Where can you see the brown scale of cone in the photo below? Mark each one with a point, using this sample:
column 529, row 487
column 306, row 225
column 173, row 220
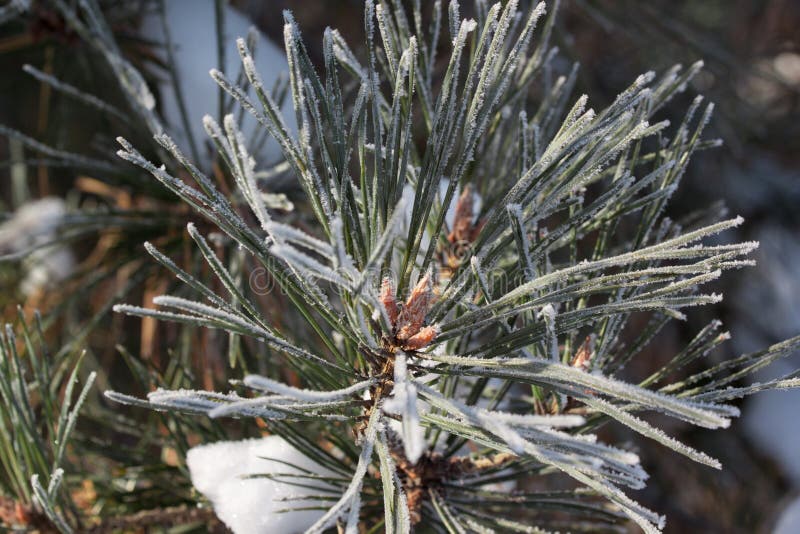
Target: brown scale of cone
column 463, row 233
column 462, row 219
column 412, row 316
column 581, row 358
column 408, row 320
column 425, row 335
column 388, row 301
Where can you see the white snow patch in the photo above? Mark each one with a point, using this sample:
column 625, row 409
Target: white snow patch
column 35, row 224
column 250, row 505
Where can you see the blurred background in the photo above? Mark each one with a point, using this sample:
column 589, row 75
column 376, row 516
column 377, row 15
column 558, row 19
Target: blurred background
column 751, row 50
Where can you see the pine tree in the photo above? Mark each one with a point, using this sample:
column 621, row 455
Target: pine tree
column 464, row 288
column 487, row 347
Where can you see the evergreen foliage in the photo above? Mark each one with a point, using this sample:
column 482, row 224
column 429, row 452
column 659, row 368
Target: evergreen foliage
column 462, row 293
